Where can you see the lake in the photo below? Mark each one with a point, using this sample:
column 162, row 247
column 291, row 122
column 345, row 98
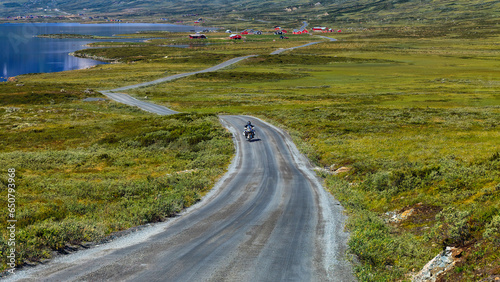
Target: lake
column 22, row 52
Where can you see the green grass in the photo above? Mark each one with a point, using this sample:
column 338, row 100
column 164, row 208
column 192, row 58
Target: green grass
column 413, row 111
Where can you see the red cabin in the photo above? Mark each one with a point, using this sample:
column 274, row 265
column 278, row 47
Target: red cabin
column 319, row 28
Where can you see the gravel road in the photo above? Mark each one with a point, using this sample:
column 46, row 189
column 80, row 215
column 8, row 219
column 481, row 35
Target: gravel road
column 267, row 219
column 126, row 99
column 301, row 46
column 180, row 75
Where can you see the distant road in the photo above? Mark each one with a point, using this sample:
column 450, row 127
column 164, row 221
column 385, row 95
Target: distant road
column 126, row 99
column 267, row 219
column 153, row 108
column 301, row 46
column 177, row 76
column 305, row 24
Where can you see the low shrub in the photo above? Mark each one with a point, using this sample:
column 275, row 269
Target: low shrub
column 451, row 228
column 492, row 231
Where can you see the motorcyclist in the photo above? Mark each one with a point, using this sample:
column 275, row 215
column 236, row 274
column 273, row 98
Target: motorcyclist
column 250, row 127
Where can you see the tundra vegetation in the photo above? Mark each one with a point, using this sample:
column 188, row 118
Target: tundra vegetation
column 411, row 111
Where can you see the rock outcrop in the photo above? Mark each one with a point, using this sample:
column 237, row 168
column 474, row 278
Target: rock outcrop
column 440, row 264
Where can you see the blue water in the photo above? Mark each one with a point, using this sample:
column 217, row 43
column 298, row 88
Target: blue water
column 22, row 52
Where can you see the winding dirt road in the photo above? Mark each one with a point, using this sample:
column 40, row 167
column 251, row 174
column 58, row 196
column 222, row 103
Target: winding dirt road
column 267, row 219
column 153, row 108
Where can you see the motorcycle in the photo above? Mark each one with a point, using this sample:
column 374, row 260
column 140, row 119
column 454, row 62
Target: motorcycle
column 249, row 133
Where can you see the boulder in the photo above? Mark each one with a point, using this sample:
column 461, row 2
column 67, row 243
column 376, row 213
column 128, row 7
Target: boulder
column 440, row 264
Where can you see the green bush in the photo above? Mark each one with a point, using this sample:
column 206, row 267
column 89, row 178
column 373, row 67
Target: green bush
column 379, row 181
column 49, row 235
column 378, row 248
column 452, row 227
column 492, row 231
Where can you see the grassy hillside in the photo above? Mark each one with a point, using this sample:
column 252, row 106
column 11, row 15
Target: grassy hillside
column 269, row 11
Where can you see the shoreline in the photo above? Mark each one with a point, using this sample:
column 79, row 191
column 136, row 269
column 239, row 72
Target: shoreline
column 55, row 30
column 95, row 58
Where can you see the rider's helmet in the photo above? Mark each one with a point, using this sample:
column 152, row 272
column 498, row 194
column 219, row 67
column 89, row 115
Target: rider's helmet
column 249, row 123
